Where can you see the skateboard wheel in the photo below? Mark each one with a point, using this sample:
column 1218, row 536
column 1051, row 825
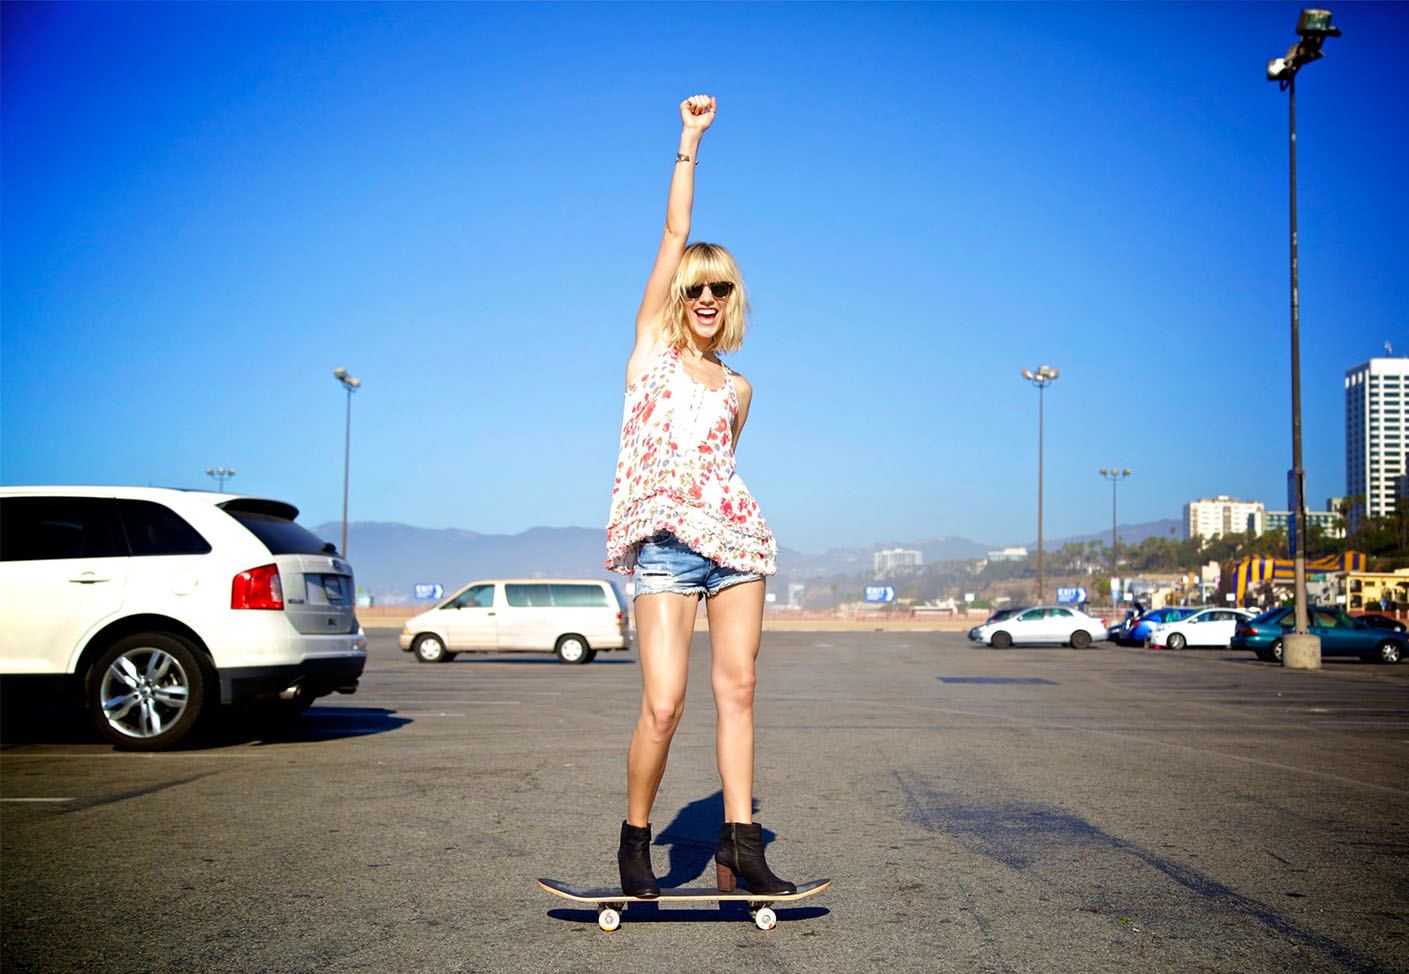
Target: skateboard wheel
column 765, row 918
column 608, row 919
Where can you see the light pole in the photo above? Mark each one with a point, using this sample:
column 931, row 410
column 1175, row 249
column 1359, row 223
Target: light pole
column 352, row 384
column 1300, row 649
column 220, row 473
column 1115, row 476
column 1044, row 376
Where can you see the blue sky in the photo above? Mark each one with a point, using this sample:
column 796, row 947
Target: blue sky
column 209, row 207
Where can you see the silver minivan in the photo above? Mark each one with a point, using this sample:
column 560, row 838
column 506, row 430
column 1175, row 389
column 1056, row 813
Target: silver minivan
column 576, row 618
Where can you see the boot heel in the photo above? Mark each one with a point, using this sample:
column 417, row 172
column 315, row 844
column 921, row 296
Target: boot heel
column 725, row 880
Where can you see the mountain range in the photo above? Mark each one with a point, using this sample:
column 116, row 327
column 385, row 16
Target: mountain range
column 390, row 559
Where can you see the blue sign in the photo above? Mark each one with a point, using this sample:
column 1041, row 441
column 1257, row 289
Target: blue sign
column 1071, row 595
column 880, row 593
column 430, row 591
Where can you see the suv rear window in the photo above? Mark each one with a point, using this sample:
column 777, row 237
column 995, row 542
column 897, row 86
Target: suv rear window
column 35, row 528
column 155, row 529
column 280, row 535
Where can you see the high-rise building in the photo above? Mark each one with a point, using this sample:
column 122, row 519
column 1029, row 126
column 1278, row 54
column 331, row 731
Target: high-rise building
column 896, row 559
column 1212, row 516
column 1376, row 398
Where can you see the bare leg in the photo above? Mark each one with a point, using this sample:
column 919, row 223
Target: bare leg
column 735, row 628
column 665, row 623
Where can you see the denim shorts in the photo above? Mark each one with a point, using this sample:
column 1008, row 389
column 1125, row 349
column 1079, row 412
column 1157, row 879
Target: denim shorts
column 664, row 563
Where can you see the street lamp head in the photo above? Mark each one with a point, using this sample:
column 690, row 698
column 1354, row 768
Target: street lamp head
column 210, row 471
column 355, row 383
column 1316, row 23
column 340, row 373
column 1027, row 373
column 1125, row 472
column 1103, row 471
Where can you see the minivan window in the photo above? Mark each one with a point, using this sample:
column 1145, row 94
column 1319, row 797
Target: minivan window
column 280, row 535
column 475, row 597
column 155, row 529
column 527, row 596
column 578, row 595
column 34, row 528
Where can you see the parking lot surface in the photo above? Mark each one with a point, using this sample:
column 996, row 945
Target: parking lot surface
column 978, row 810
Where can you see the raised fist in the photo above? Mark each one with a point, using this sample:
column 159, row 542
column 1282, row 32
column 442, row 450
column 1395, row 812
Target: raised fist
column 697, row 112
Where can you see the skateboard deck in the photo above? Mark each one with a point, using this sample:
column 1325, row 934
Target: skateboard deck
column 610, row 902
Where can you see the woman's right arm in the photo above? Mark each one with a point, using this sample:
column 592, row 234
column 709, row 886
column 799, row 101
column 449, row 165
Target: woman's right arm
column 696, row 115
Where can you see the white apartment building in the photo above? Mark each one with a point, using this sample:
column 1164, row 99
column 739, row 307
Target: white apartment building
column 893, row 559
column 1376, row 397
column 1210, row 517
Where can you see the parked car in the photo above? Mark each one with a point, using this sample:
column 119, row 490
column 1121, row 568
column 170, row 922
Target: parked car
column 153, row 606
column 573, row 617
column 1376, row 621
column 1120, row 631
column 1061, row 624
column 998, row 616
column 1340, row 635
column 1139, row 631
column 1206, row 627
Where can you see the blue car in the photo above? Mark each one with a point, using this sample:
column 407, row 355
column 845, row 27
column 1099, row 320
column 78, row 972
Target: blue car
column 1140, row 631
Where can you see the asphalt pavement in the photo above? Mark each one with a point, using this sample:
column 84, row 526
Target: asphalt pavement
column 978, row 810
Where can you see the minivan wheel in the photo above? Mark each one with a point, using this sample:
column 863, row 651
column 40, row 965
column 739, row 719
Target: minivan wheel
column 572, row 648
column 147, row 691
column 429, row 649
column 1080, row 639
column 1387, row 652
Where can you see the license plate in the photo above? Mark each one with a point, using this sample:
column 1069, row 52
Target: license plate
column 333, row 585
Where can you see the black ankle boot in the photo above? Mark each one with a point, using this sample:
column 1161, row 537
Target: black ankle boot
column 739, row 855
column 633, row 858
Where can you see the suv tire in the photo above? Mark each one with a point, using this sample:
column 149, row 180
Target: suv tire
column 148, row 691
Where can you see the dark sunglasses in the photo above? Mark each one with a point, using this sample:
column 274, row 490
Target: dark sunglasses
column 720, row 289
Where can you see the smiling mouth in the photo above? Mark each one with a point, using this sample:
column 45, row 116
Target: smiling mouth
column 706, row 316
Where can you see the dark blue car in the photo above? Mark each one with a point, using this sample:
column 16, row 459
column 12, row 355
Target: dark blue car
column 1140, row 631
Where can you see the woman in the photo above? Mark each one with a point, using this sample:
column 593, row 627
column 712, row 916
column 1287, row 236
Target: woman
column 684, row 522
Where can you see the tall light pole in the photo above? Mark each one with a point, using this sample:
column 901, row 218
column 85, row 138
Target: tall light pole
column 1115, row 476
column 220, row 473
column 352, row 384
column 1044, row 376
column 1300, row 650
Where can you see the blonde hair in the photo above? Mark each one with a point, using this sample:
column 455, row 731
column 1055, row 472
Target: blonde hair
column 703, row 262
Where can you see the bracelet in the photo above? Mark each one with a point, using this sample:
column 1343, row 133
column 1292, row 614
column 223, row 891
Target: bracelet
column 681, row 157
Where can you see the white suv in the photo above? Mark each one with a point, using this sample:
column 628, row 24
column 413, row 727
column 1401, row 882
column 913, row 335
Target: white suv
column 157, row 604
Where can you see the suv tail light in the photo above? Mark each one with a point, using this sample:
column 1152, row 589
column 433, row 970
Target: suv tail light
column 257, row 588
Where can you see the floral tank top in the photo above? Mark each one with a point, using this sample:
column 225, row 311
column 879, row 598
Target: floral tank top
column 675, row 473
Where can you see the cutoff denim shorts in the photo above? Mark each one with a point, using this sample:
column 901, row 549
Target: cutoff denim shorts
column 664, row 563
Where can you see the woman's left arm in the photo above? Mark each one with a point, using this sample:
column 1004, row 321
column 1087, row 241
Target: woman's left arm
column 744, row 392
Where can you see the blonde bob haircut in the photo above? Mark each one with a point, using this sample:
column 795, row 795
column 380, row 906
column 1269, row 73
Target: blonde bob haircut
column 701, row 263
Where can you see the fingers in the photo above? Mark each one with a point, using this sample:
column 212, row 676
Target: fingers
column 698, row 105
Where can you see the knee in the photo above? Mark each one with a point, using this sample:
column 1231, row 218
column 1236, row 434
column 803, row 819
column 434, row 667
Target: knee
column 662, row 717
column 735, row 690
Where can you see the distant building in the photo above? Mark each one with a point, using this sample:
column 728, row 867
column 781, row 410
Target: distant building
column 896, row 559
column 1376, row 396
column 1008, row 554
column 1210, row 517
column 1331, row 522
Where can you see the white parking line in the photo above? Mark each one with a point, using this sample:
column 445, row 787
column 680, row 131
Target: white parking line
column 36, row 800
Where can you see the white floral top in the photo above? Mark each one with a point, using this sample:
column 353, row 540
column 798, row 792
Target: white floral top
column 676, row 473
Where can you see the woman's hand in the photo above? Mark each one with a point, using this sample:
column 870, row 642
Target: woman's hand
column 697, row 112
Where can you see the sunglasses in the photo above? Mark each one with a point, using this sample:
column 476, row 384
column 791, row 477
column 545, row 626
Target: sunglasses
column 720, row 289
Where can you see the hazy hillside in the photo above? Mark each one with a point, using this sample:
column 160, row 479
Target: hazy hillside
column 390, row 558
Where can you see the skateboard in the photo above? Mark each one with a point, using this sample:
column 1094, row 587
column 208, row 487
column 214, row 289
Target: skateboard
column 610, row 902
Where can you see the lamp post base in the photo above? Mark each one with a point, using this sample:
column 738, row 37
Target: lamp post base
column 1301, row 651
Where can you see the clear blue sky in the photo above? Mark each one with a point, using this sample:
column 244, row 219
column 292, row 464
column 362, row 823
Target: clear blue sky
column 208, row 207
